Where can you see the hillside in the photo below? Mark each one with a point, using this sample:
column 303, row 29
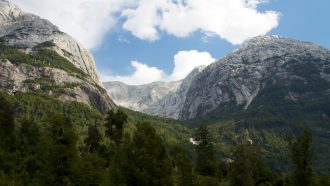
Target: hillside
column 36, row 56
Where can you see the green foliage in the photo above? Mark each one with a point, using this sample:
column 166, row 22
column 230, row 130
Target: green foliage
column 115, row 124
column 63, row 157
column 301, row 155
column 183, row 169
column 7, row 119
column 41, row 57
column 142, row 162
column 205, row 153
column 46, row 44
column 248, row 168
column 172, row 132
column 273, row 115
column 93, row 139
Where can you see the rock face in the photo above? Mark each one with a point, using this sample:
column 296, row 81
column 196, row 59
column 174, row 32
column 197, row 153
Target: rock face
column 25, row 32
column 240, row 76
column 261, row 62
column 171, row 104
column 139, row 97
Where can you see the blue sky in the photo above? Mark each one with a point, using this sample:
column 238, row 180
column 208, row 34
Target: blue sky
column 131, row 43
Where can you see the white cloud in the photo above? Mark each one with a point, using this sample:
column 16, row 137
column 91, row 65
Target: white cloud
column 142, row 74
column 233, row 20
column 86, row 20
column 184, row 63
column 89, row 20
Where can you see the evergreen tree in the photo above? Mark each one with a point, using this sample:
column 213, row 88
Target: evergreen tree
column 63, row 159
column 142, row 162
column 93, row 139
column 184, row 169
column 114, row 125
column 7, row 137
column 31, row 147
column 248, row 168
column 241, row 169
column 7, row 120
column 301, row 155
column 205, row 153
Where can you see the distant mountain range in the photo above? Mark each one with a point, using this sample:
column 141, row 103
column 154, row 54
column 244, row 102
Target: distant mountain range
column 300, row 69
column 271, row 87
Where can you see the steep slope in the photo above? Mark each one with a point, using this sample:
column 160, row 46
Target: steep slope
column 301, row 68
column 271, row 87
column 172, row 103
column 139, row 97
column 36, row 56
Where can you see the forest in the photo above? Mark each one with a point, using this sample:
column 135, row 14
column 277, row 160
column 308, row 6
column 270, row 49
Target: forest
column 50, row 149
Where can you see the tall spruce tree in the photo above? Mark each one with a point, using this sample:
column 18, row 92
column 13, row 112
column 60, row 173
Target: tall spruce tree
column 248, row 168
column 184, row 169
column 142, row 162
column 63, row 159
column 93, row 139
column 301, row 155
column 114, row 125
column 205, row 164
column 7, row 120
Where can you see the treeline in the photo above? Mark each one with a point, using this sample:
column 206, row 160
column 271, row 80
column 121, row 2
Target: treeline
column 36, row 151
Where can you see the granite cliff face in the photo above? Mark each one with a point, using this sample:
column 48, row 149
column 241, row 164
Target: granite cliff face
column 240, row 76
column 140, row 97
column 25, row 30
column 172, row 103
column 262, row 62
column 31, row 49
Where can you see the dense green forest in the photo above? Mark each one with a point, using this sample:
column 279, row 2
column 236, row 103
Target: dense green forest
column 47, row 142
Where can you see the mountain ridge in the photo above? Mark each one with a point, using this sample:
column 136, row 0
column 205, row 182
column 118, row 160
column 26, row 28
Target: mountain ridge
column 37, row 56
column 242, row 74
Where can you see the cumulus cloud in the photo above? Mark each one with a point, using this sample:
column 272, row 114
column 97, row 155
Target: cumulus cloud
column 142, row 74
column 233, row 20
column 86, row 20
column 89, row 20
column 184, row 63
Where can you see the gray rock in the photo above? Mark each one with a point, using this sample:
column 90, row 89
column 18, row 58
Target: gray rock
column 239, row 77
column 139, row 97
column 25, row 31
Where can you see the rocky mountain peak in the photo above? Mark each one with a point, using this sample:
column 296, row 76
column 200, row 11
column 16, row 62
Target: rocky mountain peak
column 52, row 60
column 26, row 31
column 239, row 77
column 8, row 11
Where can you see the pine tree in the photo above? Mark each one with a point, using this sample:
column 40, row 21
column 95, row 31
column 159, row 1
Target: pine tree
column 63, row 159
column 205, row 153
column 301, row 155
column 184, row 169
column 114, row 124
column 142, row 162
column 248, row 168
column 7, row 120
column 93, row 139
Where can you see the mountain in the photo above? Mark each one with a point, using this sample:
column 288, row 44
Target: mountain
column 300, row 68
column 37, row 57
column 140, row 97
column 268, row 89
column 172, row 103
